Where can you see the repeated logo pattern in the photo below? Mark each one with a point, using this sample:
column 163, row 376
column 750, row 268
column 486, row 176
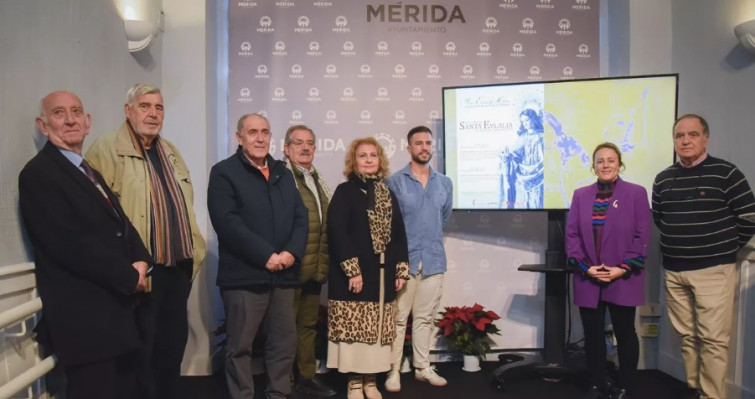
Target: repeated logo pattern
column 351, row 69
column 334, row 62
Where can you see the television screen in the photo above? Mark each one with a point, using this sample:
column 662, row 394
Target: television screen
column 529, row 145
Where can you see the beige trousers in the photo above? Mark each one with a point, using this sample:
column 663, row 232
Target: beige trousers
column 701, row 307
column 421, row 298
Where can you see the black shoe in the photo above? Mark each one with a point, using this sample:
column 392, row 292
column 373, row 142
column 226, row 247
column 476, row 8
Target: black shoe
column 315, row 387
column 690, row 393
column 594, row 393
column 619, row 394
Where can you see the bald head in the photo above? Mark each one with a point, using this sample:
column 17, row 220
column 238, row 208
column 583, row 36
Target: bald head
column 63, row 121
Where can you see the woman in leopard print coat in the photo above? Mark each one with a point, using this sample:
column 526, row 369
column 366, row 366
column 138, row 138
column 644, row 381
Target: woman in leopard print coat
column 369, row 264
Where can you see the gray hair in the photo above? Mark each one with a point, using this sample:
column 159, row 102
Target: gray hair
column 290, row 131
column 42, row 110
column 138, row 90
column 240, row 124
column 703, row 123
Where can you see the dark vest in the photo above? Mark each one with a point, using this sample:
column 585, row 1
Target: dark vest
column 314, row 265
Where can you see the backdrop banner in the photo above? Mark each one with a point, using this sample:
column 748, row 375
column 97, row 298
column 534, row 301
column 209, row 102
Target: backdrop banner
column 351, row 69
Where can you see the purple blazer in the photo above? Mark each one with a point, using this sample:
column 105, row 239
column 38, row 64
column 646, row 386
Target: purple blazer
column 626, row 235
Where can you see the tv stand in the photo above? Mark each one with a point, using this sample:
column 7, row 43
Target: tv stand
column 550, row 363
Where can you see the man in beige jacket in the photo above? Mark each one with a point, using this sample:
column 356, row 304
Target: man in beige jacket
column 150, row 178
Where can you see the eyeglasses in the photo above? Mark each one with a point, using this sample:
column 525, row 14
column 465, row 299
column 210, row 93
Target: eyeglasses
column 299, row 143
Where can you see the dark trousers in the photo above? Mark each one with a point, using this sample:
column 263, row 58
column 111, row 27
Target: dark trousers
column 109, row 378
column 164, row 326
column 593, row 322
column 306, row 311
column 247, row 312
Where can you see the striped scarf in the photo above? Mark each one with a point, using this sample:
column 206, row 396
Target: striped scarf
column 599, row 209
column 161, row 229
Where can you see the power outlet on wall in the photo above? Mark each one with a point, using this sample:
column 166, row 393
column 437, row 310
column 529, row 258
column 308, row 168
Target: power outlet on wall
column 649, row 330
column 651, row 309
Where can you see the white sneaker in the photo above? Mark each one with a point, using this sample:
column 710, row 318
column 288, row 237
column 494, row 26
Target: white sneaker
column 370, row 388
column 393, row 381
column 429, row 375
column 321, row 367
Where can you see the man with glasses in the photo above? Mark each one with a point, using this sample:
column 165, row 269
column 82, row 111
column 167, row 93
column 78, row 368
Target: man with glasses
column 299, row 147
column 699, row 205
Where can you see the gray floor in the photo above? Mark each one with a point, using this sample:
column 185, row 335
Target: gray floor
column 461, row 385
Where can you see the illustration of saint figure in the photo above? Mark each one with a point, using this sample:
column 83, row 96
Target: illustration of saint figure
column 522, row 165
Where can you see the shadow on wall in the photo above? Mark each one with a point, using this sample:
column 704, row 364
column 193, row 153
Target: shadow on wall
column 39, row 141
column 209, row 296
column 526, row 231
column 739, row 58
column 520, row 308
column 144, row 59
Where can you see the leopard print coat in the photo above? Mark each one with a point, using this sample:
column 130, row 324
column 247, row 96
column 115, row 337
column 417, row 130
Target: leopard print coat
column 352, row 242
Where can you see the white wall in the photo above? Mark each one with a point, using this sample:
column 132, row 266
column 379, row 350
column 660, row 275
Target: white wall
column 695, row 38
column 649, row 47
column 49, row 45
column 64, row 44
column 742, row 374
column 81, row 47
column 188, row 125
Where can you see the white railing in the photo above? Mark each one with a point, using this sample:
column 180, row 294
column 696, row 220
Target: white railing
column 17, row 314
column 20, row 312
column 13, row 269
column 28, row 377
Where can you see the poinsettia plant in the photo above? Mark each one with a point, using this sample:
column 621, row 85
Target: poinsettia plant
column 466, row 328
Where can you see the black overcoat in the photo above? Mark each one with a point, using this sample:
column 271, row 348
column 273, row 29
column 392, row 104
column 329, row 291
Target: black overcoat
column 84, row 249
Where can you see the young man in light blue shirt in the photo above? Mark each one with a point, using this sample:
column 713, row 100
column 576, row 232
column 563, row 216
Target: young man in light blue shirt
column 426, row 198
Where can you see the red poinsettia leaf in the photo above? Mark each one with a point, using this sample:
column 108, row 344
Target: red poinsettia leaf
column 448, row 329
column 491, row 314
column 481, row 323
column 464, row 317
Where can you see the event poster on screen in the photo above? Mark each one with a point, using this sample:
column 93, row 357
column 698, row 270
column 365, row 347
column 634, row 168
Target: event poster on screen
column 529, row 146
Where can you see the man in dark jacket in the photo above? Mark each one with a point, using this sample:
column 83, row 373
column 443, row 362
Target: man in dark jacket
column 261, row 223
column 89, row 258
column 299, row 147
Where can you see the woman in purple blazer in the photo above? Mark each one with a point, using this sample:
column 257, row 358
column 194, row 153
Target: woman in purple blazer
column 607, row 235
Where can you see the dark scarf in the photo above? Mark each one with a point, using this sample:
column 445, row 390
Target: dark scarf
column 162, row 248
column 379, row 208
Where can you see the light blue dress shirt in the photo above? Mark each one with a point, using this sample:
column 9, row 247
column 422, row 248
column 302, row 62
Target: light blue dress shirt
column 425, row 210
column 74, row 158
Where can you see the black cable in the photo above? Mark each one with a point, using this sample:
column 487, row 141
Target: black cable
column 561, row 229
column 568, row 312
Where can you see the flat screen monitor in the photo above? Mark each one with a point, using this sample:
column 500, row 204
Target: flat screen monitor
column 528, row 146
